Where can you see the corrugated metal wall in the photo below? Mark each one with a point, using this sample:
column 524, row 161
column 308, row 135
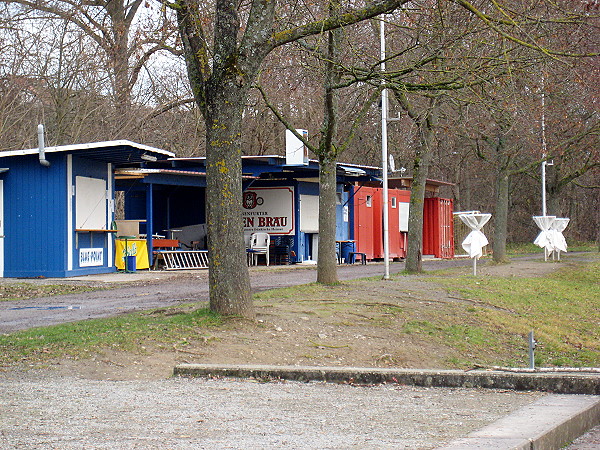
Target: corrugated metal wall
column 36, row 200
column 368, row 226
column 35, row 203
column 438, row 227
column 365, row 218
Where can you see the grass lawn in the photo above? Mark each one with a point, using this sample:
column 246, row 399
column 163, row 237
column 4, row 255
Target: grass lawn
column 461, row 320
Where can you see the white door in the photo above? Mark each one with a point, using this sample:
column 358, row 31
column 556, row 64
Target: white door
column 1, row 228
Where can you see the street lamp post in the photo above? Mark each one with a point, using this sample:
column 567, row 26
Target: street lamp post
column 384, row 157
column 544, row 163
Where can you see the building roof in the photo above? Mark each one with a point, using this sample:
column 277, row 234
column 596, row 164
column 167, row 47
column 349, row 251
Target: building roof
column 116, row 152
column 407, row 182
column 275, row 167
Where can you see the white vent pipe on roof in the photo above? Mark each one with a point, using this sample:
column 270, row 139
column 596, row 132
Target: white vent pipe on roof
column 41, row 145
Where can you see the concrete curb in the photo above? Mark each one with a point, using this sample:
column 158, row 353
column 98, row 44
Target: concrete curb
column 548, row 423
column 558, row 383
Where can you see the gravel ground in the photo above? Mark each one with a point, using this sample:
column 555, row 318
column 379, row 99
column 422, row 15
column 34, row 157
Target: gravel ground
column 42, row 410
column 589, row 441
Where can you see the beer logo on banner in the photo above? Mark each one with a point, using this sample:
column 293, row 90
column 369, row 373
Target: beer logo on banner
column 251, row 200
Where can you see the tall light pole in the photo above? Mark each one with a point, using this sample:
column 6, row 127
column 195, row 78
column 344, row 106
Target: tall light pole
column 544, row 154
column 384, row 157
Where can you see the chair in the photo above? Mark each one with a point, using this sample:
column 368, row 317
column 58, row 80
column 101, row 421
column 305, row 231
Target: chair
column 259, row 245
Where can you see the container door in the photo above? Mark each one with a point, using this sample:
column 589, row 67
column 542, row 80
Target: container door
column 447, row 225
column 394, row 223
column 377, row 229
column 431, row 227
column 1, row 228
column 363, row 221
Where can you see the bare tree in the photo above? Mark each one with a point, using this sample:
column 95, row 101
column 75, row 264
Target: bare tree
column 221, row 77
column 127, row 39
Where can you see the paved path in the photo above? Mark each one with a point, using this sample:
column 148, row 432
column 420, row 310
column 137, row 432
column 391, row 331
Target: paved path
column 589, row 441
column 160, row 289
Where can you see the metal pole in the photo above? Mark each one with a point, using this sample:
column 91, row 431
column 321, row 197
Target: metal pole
column 384, row 157
column 544, row 153
column 544, row 163
column 531, row 351
column 544, row 187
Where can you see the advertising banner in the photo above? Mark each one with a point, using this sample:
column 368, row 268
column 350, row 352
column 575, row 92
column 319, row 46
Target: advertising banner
column 137, row 247
column 90, row 257
column 269, row 209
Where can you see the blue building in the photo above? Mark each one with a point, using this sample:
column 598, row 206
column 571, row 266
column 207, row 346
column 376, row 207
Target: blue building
column 57, row 208
column 168, row 197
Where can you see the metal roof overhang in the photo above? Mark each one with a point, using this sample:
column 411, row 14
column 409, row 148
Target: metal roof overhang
column 119, row 153
column 274, row 166
column 172, row 177
column 351, row 171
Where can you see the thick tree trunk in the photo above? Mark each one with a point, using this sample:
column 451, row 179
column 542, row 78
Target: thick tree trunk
column 554, row 190
column 327, row 263
column 229, row 281
column 118, row 55
column 414, row 260
column 220, row 78
column 425, row 121
column 501, row 217
column 423, row 157
column 465, row 193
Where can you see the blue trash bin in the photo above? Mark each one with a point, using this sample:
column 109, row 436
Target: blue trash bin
column 130, row 263
column 347, row 248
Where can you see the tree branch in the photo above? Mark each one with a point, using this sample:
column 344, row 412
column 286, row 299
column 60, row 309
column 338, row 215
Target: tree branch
column 372, row 9
column 283, row 119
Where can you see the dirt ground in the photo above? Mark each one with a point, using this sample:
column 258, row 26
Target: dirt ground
column 358, row 325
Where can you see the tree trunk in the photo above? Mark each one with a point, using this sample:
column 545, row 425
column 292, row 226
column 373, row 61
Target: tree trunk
column 465, row 193
column 220, row 78
column 118, row 55
column 423, row 157
column 229, row 281
column 414, row 259
column 501, row 217
column 327, row 261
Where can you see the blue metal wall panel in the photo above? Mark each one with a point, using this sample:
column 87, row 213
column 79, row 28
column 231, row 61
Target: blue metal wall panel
column 187, row 206
column 88, row 168
column 35, row 217
column 350, row 204
column 36, row 223
column 135, row 204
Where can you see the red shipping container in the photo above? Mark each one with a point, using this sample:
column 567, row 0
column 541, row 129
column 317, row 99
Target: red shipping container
column 438, row 227
column 368, row 222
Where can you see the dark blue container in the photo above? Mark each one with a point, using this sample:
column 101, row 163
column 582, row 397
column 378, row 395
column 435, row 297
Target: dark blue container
column 130, row 264
column 348, row 247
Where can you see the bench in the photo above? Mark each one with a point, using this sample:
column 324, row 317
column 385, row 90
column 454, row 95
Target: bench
column 352, row 257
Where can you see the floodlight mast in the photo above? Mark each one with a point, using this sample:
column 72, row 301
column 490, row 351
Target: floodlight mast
column 544, row 153
column 384, row 156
